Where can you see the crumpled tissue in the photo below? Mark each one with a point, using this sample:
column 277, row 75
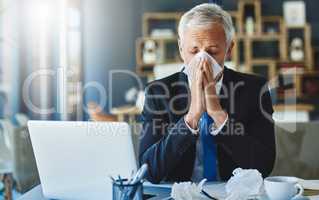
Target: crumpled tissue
column 189, row 69
column 188, row 191
column 244, row 184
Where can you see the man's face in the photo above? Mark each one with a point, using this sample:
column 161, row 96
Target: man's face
column 211, row 39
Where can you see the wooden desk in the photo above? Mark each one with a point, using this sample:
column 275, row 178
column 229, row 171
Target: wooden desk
column 162, row 193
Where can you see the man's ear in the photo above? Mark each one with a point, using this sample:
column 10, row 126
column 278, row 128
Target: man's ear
column 180, row 47
column 230, row 49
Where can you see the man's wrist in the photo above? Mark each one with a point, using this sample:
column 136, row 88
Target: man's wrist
column 191, row 121
column 214, row 130
column 219, row 117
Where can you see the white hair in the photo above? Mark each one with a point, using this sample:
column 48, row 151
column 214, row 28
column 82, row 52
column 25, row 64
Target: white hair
column 206, row 14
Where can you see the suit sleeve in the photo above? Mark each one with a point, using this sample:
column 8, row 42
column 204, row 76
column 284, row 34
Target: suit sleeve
column 257, row 143
column 161, row 144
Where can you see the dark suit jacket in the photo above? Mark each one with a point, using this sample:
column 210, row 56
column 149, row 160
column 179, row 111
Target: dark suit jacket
column 246, row 141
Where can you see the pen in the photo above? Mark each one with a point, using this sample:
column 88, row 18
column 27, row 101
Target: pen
column 113, row 180
column 139, row 174
column 123, row 190
column 207, row 195
column 131, row 177
column 120, row 180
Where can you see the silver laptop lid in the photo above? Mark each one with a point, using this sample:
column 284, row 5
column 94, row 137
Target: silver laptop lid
column 74, row 159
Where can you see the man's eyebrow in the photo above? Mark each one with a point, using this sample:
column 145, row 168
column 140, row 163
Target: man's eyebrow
column 214, row 45
column 193, row 47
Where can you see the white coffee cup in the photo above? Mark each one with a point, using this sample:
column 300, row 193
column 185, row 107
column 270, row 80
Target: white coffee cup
column 282, row 187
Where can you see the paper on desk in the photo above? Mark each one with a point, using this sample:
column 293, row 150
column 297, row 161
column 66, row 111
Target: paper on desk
column 243, row 184
column 309, row 184
column 188, row 191
column 218, row 190
column 314, row 197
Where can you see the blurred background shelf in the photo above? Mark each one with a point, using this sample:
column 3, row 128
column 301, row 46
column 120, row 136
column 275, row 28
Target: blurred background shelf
column 264, row 45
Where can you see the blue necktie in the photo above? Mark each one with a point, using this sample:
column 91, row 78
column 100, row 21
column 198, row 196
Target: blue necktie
column 209, row 148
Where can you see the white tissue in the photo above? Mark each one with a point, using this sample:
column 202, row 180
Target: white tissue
column 244, row 184
column 195, row 61
column 188, row 191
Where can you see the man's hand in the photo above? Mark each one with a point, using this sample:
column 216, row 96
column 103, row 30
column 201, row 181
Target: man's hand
column 212, row 102
column 197, row 106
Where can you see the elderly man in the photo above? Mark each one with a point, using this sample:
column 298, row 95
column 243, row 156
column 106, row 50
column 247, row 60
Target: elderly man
column 198, row 124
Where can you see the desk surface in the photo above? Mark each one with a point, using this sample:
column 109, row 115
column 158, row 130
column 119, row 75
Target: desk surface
column 37, row 194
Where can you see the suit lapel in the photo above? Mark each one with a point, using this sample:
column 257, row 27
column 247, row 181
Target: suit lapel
column 181, row 88
column 179, row 96
column 225, row 91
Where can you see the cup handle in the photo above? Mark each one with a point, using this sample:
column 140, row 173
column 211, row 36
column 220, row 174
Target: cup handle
column 300, row 188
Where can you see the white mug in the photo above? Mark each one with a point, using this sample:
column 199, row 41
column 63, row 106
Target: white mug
column 282, row 187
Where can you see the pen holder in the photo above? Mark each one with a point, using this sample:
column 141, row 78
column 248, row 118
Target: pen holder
column 124, row 191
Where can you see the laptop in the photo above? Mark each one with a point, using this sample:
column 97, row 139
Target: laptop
column 75, row 159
